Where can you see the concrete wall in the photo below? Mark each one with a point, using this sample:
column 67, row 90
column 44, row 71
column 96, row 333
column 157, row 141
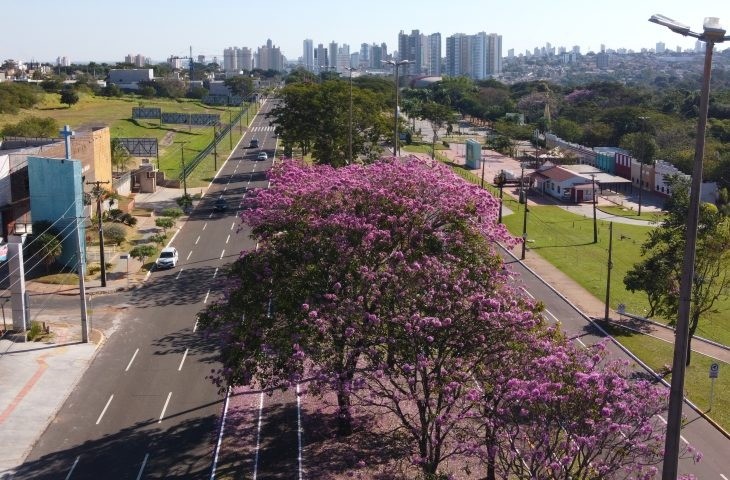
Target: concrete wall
column 56, row 195
column 93, row 149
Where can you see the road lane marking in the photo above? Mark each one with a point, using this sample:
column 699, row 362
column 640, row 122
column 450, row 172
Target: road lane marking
column 180, row 272
column 551, row 314
column 205, row 300
column 723, row 477
column 581, row 342
column 299, row 430
column 228, row 238
column 234, row 223
column 144, row 463
column 211, row 215
column 662, row 419
column 183, row 360
column 205, row 225
column 684, row 439
column 225, row 188
column 258, row 437
column 195, row 326
column 191, row 252
column 197, row 240
column 73, row 467
column 528, row 293
column 220, row 436
column 215, row 272
column 167, row 402
column 105, row 407
column 222, row 253
column 134, row 355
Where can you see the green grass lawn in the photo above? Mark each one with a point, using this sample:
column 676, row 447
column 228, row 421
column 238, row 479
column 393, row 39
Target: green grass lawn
column 630, row 213
column 657, row 353
column 117, row 114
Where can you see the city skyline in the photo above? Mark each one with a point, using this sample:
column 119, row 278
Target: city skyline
column 152, row 30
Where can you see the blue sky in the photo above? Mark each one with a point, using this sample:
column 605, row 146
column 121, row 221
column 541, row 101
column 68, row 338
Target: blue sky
column 106, row 31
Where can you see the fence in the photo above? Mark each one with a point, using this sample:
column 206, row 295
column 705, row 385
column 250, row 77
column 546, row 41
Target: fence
column 192, row 164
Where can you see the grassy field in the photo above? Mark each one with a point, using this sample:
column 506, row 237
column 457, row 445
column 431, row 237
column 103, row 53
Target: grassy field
column 657, row 353
column 117, row 114
column 630, row 213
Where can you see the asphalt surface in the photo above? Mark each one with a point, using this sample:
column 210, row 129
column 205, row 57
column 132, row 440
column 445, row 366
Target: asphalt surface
column 144, row 408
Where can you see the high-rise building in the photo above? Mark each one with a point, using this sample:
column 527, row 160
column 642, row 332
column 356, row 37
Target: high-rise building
column 378, row 54
column 410, row 48
column 308, row 55
column 230, row 61
column 244, row 58
column 364, row 60
column 343, row 58
column 478, row 48
column 602, row 60
column 63, row 61
column 320, row 60
column 457, row 55
column 332, row 55
column 201, row 59
column 660, row 47
column 494, row 54
column 269, row 57
column 434, row 54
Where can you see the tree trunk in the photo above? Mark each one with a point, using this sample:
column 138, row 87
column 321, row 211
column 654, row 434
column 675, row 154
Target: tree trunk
column 344, row 417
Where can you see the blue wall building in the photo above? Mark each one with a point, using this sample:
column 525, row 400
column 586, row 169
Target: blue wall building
column 56, row 195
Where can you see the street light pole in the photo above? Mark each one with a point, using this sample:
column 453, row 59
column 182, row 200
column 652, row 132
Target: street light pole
column 712, row 34
column 349, row 146
column 524, row 218
column 395, row 128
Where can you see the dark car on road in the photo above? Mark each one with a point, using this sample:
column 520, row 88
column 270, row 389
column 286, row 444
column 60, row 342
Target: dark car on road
column 221, row 205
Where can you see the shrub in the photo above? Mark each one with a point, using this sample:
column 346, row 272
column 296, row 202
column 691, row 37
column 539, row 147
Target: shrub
column 158, row 239
column 142, row 252
column 115, row 233
column 173, row 213
column 128, row 219
column 115, row 214
column 164, row 223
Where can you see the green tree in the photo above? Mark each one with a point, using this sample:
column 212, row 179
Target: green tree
column 114, row 233
column 120, row 155
column 31, row 127
column 240, row 85
column 69, row 97
column 437, row 116
column 659, row 273
column 49, row 247
column 143, row 252
column 147, row 91
column 164, row 223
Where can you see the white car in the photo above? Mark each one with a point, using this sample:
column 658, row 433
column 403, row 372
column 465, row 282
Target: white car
column 168, row 258
column 262, row 156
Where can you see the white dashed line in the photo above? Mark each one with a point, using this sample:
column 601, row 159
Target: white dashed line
column 73, row 467
column 191, row 252
column 105, row 407
column 581, row 342
column 258, row 437
column 195, row 326
column 662, row 419
column 684, row 439
column 228, row 238
column 205, row 225
column 144, row 463
column 134, row 355
column 167, row 402
column 183, row 360
column 211, row 215
column 205, row 300
column 233, row 225
column 180, row 272
column 222, row 253
column 723, row 477
column 197, row 240
column 527, row 293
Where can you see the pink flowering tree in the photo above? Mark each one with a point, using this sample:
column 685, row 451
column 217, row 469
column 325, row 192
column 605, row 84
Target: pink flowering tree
column 448, row 319
column 309, row 292
column 566, row 412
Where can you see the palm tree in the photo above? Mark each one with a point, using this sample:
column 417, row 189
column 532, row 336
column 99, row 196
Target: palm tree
column 50, row 248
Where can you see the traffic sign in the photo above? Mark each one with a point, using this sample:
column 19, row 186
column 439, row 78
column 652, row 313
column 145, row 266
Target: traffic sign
column 714, row 370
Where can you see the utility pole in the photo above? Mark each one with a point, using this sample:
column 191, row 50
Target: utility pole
column 184, row 174
column 215, row 149
column 595, row 223
column 524, row 218
column 230, row 128
column 82, row 286
column 98, row 192
column 608, row 272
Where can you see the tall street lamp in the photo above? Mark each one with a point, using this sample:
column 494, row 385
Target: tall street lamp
column 395, row 128
column 712, row 33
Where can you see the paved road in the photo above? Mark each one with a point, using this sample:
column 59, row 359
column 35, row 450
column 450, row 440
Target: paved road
column 144, row 408
column 697, row 431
